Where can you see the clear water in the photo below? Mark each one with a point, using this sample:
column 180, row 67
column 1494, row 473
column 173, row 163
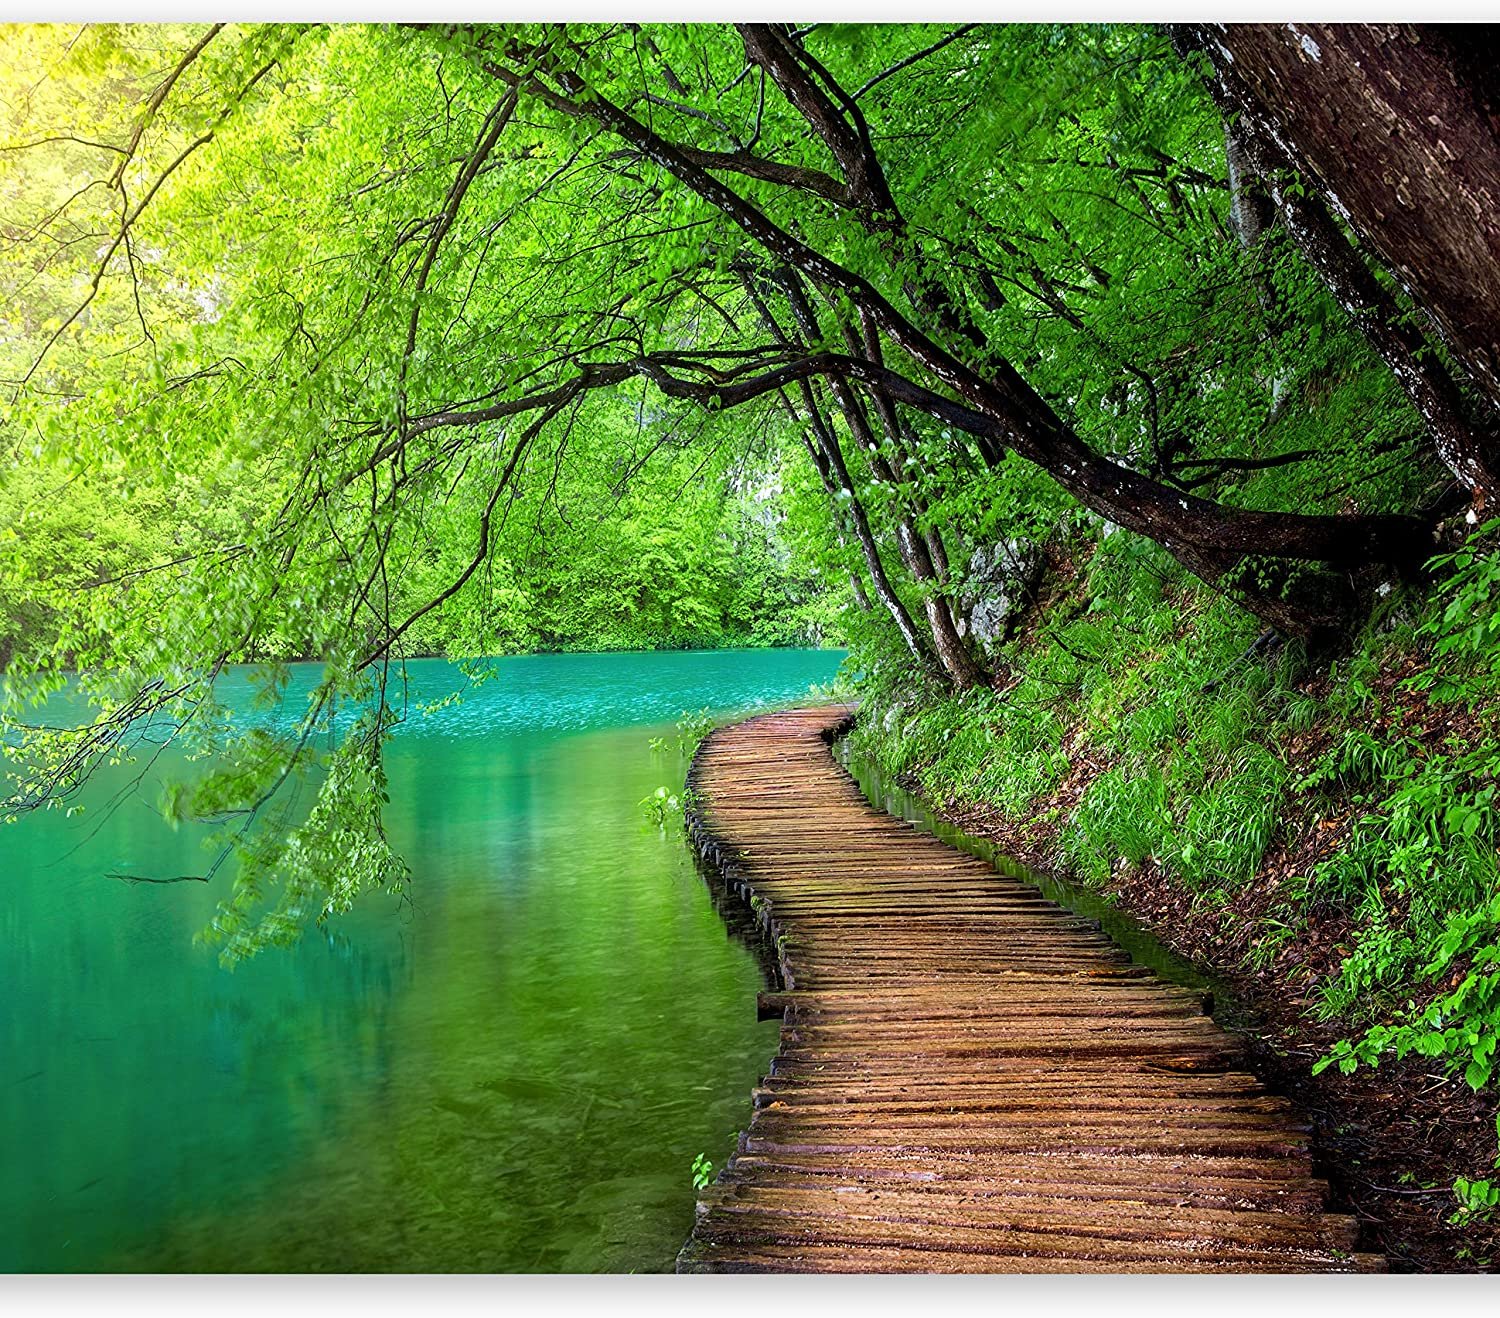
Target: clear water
column 513, row 1075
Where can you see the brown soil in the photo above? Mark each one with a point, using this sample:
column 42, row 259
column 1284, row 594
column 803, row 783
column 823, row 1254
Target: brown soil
column 1390, row 1140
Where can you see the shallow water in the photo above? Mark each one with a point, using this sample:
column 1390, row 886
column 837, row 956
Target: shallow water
column 514, row 1074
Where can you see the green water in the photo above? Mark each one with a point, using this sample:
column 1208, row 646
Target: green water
column 514, row 1074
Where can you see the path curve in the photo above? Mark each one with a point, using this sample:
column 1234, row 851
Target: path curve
column 971, row 1078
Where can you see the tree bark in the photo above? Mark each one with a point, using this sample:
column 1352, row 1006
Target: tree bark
column 856, row 583
column 1250, row 208
column 1399, row 125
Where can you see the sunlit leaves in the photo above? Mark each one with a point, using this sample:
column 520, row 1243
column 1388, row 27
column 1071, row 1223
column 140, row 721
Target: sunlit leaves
column 265, row 400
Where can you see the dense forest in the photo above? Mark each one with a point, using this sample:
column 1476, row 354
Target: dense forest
column 1123, row 398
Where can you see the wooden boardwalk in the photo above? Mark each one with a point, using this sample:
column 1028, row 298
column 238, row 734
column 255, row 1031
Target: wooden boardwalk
column 971, row 1079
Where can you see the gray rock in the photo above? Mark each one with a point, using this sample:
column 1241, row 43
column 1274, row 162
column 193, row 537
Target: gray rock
column 999, row 581
column 1106, row 527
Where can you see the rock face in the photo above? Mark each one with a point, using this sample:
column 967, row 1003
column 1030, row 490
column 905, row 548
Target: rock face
column 892, row 718
column 1000, row 580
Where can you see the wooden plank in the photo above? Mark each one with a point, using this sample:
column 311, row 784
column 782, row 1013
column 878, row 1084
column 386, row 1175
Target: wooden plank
column 970, row 1077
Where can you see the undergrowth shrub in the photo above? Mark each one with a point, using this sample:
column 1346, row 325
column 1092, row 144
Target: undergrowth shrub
column 1123, row 813
column 1230, row 821
column 1427, row 841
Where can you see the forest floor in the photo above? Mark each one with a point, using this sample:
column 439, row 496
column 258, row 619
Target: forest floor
column 1390, row 1140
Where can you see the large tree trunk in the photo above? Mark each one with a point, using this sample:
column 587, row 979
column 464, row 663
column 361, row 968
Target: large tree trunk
column 1399, row 126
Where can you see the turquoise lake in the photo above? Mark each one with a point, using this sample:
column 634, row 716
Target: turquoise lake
column 513, row 1073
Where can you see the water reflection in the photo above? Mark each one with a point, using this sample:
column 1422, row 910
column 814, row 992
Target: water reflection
column 512, row 1074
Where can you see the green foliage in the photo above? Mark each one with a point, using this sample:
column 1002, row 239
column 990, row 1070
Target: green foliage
column 1420, row 869
column 1477, row 1201
column 662, row 805
column 301, row 327
column 703, row 1172
column 693, row 728
column 279, row 414
column 1197, row 739
column 1466, row 634
column 190, row 465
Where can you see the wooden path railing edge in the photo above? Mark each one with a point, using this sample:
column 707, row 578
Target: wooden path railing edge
column 725, row 865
